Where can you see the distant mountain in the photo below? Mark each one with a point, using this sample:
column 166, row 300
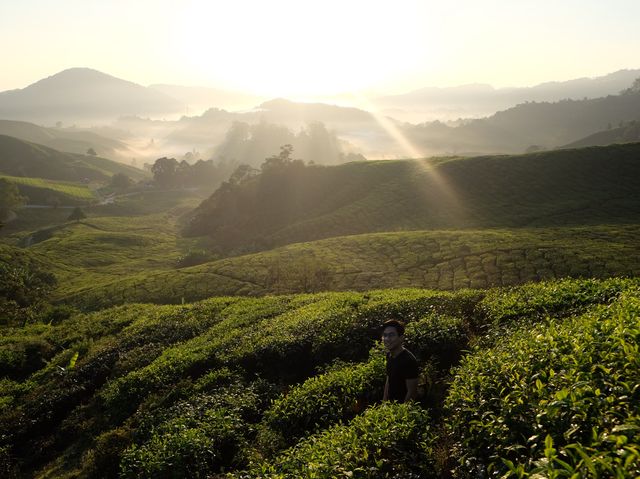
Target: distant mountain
column 626, row 133
column 478, row 100
column 306, row 203
column 546, row 125
column 84, row 96
column 25, row 159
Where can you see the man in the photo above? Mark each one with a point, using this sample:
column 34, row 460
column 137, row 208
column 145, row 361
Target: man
column 402, row 367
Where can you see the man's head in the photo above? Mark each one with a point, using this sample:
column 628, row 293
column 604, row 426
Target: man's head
column 393, row 334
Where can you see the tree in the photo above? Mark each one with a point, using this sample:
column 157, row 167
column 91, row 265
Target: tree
column 91, row 152
column 121, row 181
column 281, row 159
column 635, row 88
column 76, row 215
column 164, row 171
column 242, row 173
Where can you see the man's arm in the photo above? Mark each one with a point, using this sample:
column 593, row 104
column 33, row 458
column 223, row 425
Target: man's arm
column 412, row 389
column 385, row 396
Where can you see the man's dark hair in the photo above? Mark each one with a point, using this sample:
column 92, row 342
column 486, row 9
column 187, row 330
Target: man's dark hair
column 394, row 323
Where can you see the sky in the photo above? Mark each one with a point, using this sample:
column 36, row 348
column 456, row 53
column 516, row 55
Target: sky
column 306, row 48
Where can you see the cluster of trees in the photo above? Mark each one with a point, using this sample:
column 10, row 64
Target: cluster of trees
column 255, row 200
column 171, row 173
column 243, row 151
column 246, row 144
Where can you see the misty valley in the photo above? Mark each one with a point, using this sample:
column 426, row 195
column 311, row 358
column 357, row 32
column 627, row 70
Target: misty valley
column 193, row 282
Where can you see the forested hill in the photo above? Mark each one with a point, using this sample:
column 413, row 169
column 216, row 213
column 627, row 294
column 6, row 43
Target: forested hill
column 22, row 158
column 626, row 133
column 292, row 202
column 549, row 125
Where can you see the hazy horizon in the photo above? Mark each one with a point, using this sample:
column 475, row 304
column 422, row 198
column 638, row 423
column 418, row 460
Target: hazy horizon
column 305, row 52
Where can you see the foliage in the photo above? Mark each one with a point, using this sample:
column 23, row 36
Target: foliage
column 121, row 181
column 169, row 173
column 38, row 189
column 551, row 188
column 246, row 144
column 323, row 400
column 24, row 288
column 195, row 257
column 9, row 198
column 559, row 399
column 20, row 158
column 390, row 440
column 442, row 260
column 536, row 301
column 76, row 215
column 204, row 433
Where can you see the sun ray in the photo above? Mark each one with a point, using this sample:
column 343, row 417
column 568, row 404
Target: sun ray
column 412, row 152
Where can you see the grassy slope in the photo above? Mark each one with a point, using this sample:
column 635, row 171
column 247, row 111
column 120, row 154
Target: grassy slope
column 62, row 139
column 568, row 187
column 430, row 259
column 66, row 190
column 21, row 158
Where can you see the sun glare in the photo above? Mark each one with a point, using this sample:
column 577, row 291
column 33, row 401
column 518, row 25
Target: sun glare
column 287, row 48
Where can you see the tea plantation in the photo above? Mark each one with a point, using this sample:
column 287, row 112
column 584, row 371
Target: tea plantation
column 537, row 380
column 444, row 260
column 129, row 350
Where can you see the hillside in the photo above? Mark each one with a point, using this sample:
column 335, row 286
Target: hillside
column 38, row 191
column 440, row 260
column 289, row 387
column 22, row 158
column 480, row 100
column 83, row 96
column 627, row 133
column 304, row 203
column 64, row 139
column 545, row 124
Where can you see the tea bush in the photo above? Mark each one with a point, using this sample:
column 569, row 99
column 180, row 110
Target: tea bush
column 538, row 300
column 196, row 436
column 555, row 400
column 323, row 400
column 438, row 338
column 390, row 440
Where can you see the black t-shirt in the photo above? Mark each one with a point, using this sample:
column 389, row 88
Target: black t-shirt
column 404, row 366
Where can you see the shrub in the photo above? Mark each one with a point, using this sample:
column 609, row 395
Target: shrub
column 195, row 437
column 538, row 300
column 559, row 399
column 389, row 440
column 323, row 400
column 438, row 338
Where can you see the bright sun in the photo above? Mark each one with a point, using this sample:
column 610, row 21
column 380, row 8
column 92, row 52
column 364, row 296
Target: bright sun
column 293, row 48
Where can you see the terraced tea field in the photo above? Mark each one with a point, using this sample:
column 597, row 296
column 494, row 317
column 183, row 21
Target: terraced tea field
column 445, row 260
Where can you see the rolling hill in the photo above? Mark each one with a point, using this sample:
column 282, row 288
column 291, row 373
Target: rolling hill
column 442, row 260
column 22, row 158
column 545, row 124
column 305, row 203
column 480, row 100
column 626, row 133
column 64, row 139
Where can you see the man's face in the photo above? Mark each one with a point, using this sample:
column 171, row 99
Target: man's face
column 391, row 339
